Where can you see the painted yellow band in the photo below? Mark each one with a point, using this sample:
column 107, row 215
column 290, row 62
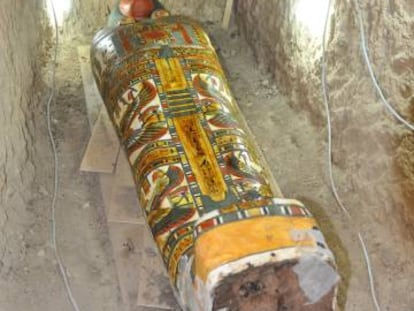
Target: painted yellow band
column 236, row 240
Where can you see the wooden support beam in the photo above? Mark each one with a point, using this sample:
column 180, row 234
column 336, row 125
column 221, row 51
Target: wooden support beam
column 103, row 148
column 93, row 99
column 154, row 288
column 123, row 206
column 127, row 245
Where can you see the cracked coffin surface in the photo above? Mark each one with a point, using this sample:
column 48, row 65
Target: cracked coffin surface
column 210, row 204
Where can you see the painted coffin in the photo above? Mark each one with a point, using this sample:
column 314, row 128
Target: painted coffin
column 210, row 204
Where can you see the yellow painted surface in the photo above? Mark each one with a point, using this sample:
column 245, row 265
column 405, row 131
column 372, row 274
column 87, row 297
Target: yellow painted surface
column 201, row 156
column 237, row 240
column 171, row 74
column 195, row 141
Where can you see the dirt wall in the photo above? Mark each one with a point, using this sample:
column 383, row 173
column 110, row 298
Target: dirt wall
column 85, row 16
column 373, row 154
column 205, row 11
column 19, row 60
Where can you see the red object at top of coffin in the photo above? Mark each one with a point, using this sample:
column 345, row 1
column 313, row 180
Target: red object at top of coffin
column 136, row 9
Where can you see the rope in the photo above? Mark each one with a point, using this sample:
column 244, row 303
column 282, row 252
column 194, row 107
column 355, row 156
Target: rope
column 52, row 141
column 330, row 164
column 364, row 46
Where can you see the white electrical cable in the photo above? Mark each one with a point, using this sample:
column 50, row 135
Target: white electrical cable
column 330, row 164
column 364, row 46
column 59, row 260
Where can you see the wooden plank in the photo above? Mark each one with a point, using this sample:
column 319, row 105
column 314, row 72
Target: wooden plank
column 106, row 182
column 123, row 206
column 103, row 147
column 127, row 245
column 154, row 288
column 227, row 14
column 93, row 99
column 123, row 171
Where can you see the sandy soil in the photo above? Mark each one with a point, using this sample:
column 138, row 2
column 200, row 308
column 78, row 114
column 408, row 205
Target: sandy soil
column 30, row 281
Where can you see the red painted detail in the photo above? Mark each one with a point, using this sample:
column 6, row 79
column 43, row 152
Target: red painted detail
column 207, row 224
column 155, row 35
column 185, row 34
column 125, row 42
column 296, row 211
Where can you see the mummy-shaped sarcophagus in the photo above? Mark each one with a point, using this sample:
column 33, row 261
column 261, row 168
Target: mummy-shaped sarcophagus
column 228, row 238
